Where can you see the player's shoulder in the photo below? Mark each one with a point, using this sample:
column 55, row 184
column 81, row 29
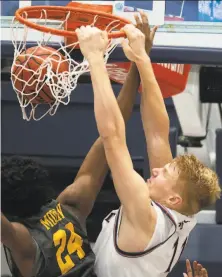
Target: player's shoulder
column 57, row 209
column 183, row 224
column 53, row 215
column 52, row 209
column 61, row 213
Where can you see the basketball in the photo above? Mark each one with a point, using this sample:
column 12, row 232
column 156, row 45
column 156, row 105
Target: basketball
column 30, row 69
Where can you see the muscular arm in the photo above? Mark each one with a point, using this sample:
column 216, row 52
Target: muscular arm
column 130, row 187
column 154, row 117
column 87, row 184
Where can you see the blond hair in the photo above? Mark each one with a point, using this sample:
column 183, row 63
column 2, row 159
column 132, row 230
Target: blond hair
column 200, row 185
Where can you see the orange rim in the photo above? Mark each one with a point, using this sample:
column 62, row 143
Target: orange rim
column 59, row 13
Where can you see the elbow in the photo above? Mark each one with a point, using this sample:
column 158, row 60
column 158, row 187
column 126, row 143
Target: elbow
column 112, row 130
column 112, row 136
column 157, row 128
column 162, row 126
column 163, row 130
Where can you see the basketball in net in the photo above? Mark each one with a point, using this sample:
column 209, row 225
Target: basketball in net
column 31, row 76
column 42, row 75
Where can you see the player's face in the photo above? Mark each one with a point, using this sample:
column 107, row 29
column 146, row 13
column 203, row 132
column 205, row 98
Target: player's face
column 162, row 182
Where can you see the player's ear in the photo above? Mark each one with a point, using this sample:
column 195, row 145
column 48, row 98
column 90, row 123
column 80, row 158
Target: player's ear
column 175, row 200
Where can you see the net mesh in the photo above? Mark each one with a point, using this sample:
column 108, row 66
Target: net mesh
column 60, row 84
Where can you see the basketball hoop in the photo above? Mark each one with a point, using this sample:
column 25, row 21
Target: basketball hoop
column 51, row 21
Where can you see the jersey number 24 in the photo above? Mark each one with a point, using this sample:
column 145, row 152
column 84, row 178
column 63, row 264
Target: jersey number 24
column 73, row 244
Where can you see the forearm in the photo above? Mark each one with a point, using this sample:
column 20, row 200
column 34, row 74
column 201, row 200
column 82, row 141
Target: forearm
column 128, row 92
column 153, row 111
column 107, row 112
column 125, row 100
column 92, row 173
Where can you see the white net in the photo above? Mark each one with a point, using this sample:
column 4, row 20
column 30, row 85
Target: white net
column 43, row 77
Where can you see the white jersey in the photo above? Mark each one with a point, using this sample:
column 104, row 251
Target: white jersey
column 158, row 258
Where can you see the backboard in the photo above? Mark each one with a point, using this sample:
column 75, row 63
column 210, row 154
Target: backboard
column 192, row 24
column 202, row 12
column 126, row 9
column 187, row 23
column 155, row 10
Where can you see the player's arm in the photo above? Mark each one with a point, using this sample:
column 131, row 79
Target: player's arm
column 130, row 186
column 154, row 115
column 17, row 238
column 88, row 182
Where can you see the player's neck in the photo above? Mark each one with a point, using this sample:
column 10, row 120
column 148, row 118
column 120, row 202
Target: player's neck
column 177, row 209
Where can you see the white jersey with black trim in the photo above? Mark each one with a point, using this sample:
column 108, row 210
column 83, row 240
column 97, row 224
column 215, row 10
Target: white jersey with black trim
column 158, row 258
